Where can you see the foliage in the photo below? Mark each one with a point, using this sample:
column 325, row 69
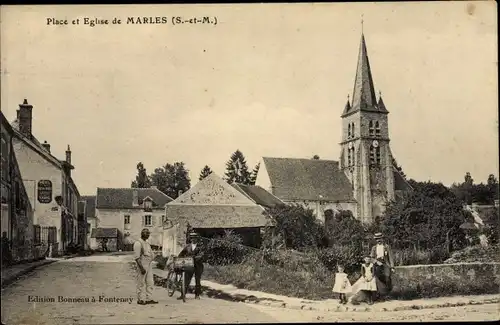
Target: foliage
column 344, row 229
column 255, row 172
column 492, row 223
column 237, row 169
column 469, row 193
column 425, row 218
column 226, row 249
column 171, row 178
column 142, row 179
column 315, row 157
column 298, row 226
column 349, row 256
column 475, row 254
column 205, row 172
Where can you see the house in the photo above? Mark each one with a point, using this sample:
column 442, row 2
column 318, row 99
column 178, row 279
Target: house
column 258, row 195
column 213, row 206
column 129, row 210
column 89, row 212
column 16, row 209
column 51, row 190
column 363, row 180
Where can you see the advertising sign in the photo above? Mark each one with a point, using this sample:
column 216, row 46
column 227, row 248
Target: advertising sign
column 45, row 191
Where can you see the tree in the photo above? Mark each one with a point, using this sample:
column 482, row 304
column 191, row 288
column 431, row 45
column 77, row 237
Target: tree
column 423, row 217
column 170, row 179
column 253, row 176
column 141, row 180
column 315, row 157
column 237, row 169
column 205, row 172
column 298, row 226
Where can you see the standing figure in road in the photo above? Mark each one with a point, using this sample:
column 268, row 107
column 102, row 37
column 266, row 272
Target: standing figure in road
column 143, row 255
column 195, row 250
column 384, row 264
column 369, row 284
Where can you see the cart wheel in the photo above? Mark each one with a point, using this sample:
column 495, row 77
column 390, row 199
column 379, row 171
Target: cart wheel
column 171, row 281
column 183, row 286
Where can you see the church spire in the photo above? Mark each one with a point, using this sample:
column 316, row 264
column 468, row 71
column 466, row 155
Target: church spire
column 363, row 95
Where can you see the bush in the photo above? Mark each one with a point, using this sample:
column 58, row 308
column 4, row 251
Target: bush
column 297, row 226
column 226, row 249
column 349, row 256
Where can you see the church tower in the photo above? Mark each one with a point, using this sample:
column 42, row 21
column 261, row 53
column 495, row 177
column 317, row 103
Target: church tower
column 365, row 153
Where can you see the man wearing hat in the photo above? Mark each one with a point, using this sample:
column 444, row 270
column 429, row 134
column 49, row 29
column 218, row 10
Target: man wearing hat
column 193, row 249
column 143, row 255
column 384, row 266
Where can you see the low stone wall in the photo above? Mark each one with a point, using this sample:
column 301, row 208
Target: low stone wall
column 443, row 279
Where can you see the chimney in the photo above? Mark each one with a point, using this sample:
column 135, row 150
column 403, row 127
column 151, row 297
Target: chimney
column 46, row 146
column 135, row 198
column 179, row 193
column 68, row 155
column 24, row 116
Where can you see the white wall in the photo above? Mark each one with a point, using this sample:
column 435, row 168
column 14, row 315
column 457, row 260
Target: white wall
column 263, row 179
column 114, row 218
column 34, row 168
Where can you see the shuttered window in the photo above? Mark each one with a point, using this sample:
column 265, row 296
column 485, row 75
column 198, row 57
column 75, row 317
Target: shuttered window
column 148, row 220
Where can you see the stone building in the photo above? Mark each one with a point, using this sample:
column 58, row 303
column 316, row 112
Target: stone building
column 213, row 206
column 48, row 182
column 364, row 179
column 16, row 213
column 129, row 210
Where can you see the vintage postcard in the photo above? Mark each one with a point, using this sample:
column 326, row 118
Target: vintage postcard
column 249, row 163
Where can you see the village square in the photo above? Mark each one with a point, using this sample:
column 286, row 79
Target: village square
column 287, row 239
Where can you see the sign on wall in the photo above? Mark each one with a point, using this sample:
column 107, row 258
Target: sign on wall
column 45, row 191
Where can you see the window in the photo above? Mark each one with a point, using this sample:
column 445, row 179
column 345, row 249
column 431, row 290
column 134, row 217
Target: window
column 353, row 159
column 148, row 220
column 37, row 234
column 377, row 129
column 126, row 219
column 371, row 130
column 349, row 131
column 349, row 158
column 352, row 131
column 374, row 155
column 17, row 190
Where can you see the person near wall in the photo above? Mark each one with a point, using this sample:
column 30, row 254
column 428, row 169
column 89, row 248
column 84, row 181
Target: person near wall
column 194, row 249
column 144, row 256
column 384, row 264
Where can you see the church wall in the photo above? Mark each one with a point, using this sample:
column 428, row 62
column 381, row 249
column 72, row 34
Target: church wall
column 383, row 123
column 319, row 208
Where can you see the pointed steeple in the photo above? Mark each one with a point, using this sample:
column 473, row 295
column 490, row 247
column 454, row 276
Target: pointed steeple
column 347, row 107
column 380, row 104
column 363, row 95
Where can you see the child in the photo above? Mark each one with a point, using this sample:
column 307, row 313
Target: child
column 369, row 284
column 342, row 284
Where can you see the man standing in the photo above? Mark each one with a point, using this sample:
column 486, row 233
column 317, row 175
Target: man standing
column 143, row 255
column 195, row 250
column 384, row 266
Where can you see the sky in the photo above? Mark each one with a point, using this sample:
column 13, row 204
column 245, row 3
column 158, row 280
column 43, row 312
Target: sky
column 268, row 79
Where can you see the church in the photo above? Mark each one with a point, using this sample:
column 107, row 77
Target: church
column 363, row 180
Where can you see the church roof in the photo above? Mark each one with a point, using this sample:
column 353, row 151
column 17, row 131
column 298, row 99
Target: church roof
column 363, row 95
column 295, row 179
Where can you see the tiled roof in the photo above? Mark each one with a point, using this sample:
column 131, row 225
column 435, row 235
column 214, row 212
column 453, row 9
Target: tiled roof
column 218, row 216
column 308, row 179
column 258, row 195
column 122, row 198
column 104, row 233
column 90, row 205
